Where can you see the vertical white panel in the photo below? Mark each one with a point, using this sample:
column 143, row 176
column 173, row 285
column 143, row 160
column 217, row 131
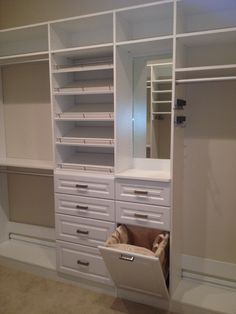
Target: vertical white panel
column 124, row 107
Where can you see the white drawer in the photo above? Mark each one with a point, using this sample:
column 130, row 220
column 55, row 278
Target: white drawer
column 84, row 186
column 85, row 207
column 81, row 261
column 143, row 215
column 156, row 193
column 82, row 230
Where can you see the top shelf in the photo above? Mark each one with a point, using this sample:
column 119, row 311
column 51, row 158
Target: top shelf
column 82, row 31
column 23, row 41
column 203, row 15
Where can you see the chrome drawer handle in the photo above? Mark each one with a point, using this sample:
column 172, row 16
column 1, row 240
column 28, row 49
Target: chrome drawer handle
column 81, row 186
column 126, row 258
column 81, row 207
column 140, row 192
column 82, row 231
column 82, row 263
column 140, row 216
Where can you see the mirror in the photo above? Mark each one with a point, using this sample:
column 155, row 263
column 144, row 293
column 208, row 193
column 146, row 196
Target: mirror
column 152, row 84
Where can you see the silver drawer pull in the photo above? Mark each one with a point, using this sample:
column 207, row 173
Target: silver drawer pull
column 140, row 192
column 126, row 258
column 82, row 231
column 140, row 216
column 81, row 207
column 82, row 263
column 81, row 186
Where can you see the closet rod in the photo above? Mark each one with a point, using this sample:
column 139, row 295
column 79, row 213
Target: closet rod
column 26, row 173
column 24, row 61
column 206, row 79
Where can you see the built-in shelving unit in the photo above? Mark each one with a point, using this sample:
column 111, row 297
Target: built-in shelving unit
column 98, row 82
column 82, row 91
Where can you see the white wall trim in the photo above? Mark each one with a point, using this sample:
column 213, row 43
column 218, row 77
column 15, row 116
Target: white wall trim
column 208, row 270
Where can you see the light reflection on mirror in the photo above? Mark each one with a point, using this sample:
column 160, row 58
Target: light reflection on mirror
column 152, row 85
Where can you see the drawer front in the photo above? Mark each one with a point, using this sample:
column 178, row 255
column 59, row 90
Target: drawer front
column 143, row 215
column 156, row 193
column 81, row 261
column 85, row 207
column 82, row 230
column 84, row 186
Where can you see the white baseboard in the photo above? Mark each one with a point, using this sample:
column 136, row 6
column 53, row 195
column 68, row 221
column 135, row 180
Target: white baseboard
column 210, row 271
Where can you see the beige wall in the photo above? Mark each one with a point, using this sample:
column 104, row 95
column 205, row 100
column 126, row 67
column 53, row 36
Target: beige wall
column 209, row 213
column 22, row 12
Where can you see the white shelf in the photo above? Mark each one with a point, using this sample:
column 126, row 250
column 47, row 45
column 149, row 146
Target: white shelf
column 24, row 40
column 29, row 253
column 27, row 163
column 86, row 112
column 24, row 58
column 88, row 136
column 162, row 81
column 224, row 36
column 161, row 112
column 84, row 68
column 206, row 71
column 82, row 161
column 206, row 79
column 142, row 174
column 82, row 31
column 162, row 91
column 86, row 88
column 86, row 51
column 161, row 101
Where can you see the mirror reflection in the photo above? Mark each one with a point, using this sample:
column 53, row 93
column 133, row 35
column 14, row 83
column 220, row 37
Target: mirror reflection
column 152, row 107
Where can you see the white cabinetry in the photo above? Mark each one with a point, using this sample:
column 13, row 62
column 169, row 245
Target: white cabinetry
column 85, row 216
column 98, row 67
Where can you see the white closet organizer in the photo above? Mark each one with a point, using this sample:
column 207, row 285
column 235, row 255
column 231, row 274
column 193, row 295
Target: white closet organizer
column 98, row 67
column 160, row 107
column 26, row 157
column 84, row 115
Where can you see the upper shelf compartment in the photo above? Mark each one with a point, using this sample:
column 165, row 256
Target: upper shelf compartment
column 202, row 15
column 145, row 22
column 204, row 54
column 23, row 42
column 82, row 32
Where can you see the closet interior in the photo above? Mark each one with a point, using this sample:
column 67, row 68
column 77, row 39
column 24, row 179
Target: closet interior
column 117, row 142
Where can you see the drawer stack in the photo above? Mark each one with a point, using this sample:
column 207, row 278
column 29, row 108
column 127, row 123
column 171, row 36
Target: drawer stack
column 85, row 217
column 144, row 204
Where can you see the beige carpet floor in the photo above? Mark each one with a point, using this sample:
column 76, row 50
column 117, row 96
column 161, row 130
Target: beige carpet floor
column 25, row 293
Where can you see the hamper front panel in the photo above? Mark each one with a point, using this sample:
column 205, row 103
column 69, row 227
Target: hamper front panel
column 81, row 261
column 84, row 186
column 86, row 207
column 143, row 215
column 156, row 193
column 82, row 230
column 135, row 272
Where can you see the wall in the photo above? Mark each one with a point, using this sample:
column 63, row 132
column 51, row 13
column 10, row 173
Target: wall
column 16, row 13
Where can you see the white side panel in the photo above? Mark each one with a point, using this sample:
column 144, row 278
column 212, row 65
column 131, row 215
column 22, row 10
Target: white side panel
column 124, row 107
column 135, row 272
